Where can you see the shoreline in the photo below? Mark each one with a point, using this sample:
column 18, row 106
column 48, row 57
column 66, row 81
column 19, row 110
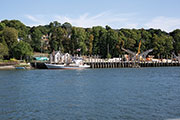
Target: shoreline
column 11, row 67
column 8, row 67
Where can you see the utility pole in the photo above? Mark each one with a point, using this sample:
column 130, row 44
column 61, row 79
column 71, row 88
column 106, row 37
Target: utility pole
column 107, row 48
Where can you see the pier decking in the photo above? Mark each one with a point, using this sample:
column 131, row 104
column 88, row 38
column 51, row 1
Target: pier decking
column 121, row 63
column 129, row 64
column 99, row 63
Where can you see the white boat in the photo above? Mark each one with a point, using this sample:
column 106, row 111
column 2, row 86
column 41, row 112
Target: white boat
column 77, row 63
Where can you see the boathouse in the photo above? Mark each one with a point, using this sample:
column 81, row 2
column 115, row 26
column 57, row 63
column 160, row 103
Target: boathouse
column 55, row 57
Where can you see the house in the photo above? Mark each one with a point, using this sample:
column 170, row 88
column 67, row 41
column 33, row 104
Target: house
column 55, row 57
column 67, row 58
column 58, row 57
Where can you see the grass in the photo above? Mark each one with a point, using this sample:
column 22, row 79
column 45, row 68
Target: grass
column 19, row 65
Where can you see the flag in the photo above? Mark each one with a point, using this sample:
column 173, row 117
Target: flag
column 79, row 49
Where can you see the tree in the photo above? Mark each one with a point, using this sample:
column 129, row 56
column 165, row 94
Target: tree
column 78, row 40
column 21, row 50
column 129, row 41
column 57, row 38
column 96, row 32
column 68, row 27
column 3, row 51
column 176, row 43
column 146, row 38
column 92, row 41
column 36, row 35
column 10, row 35
column 2, row 26
column 91, row 38
column 67, row 38
column 103, row 43
column 112, row 41
column 163, row 45
column 19, row 26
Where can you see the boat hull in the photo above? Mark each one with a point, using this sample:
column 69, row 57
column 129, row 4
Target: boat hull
column 75, row 67
column 56, row 66
column 20, row 68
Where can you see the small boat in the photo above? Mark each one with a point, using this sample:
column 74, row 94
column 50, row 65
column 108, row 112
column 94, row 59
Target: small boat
column 20, row 68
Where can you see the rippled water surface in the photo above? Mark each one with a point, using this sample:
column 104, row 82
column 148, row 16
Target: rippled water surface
column 92, row 94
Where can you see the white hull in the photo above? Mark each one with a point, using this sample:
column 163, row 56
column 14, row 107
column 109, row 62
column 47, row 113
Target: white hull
column 57, row 66
column 76, row 67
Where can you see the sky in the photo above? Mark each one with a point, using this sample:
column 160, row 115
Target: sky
column 157, row 14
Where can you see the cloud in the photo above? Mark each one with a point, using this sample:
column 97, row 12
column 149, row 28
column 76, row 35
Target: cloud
column 35, row 20
column 165, row 23
column 101, row 19
column 113, row 19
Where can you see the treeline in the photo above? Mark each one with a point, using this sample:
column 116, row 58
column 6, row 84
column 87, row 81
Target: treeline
column 86, row 41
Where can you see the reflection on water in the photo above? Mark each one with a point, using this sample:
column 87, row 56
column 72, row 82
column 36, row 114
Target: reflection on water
column 97, row 94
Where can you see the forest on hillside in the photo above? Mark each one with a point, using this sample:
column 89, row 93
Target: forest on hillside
column 19, row 41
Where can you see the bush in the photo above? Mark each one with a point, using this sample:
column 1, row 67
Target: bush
column 108, row 56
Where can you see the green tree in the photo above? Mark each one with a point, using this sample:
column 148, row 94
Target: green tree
column 67, row 38
column 103, row 43
column 113, row 42
column 68, row 27
column 78, row 40
column 91, row 38
column 3, row 51
column 10, row 35
column 21, row 50
column 129, row 41
column 146, row 38
column 96, row 32
column 163, row 45
column 57, row 38
column 2, row 26
column 20, row 27
column 176, row 36
column 36, row 35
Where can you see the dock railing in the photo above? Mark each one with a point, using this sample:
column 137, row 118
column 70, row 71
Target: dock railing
column 120, row 62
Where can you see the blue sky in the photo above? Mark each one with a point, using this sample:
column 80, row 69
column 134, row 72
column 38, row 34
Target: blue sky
column 158, row 14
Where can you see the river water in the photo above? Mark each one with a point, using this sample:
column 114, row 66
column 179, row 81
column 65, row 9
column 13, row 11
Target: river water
column 92, row 94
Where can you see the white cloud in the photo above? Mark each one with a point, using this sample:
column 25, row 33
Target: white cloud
column 36, row 20
column 165, row 23
column 102, row 19
column 32, row 18
column 113, row 19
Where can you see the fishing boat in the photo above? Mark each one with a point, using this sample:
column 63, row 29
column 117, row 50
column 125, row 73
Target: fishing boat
column 77, row 63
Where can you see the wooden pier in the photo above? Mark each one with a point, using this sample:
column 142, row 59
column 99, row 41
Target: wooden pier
column 121, row 63
column 116, row 63
column 129, row 64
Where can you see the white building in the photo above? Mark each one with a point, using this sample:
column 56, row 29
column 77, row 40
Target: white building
column 58, row 57
column 55, row 57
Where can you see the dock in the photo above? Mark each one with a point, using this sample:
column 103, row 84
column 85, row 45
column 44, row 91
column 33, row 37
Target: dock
column 103, row 63
column 120, row 62
column 130, row 64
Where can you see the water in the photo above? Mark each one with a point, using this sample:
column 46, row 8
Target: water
column 92, row 94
